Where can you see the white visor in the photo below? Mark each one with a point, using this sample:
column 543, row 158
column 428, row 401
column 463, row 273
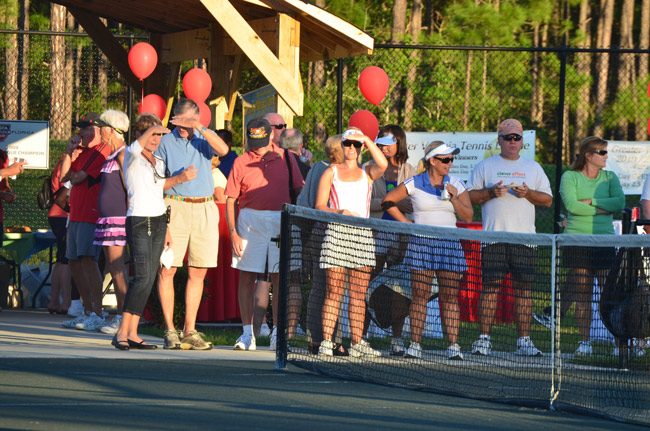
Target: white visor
column 442, row 149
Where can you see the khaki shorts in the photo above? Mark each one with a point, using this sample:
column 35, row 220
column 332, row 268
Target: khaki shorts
column 260, row 234
column 194, row 229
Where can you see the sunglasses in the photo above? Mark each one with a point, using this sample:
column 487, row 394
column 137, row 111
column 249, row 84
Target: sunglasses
column 511, row 137
column 356, row 144
column 445, row 160
column 600, row 152
column 278, row 126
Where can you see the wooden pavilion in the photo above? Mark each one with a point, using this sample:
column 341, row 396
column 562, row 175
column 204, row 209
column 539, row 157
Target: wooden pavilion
column 273, row 36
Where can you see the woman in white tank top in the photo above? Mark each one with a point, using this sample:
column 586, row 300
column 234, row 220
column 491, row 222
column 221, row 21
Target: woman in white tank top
column 348, row 252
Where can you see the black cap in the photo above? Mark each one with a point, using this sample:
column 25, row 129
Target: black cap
column 258, row 133
column 90, row 119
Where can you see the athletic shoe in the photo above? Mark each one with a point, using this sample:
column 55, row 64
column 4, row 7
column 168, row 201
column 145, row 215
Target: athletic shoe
column 362, row 348
column 172, row 339
column 112, row 327
column 245, row 342
column 454, row 353
column 194, row 340
column 637, row 350
column 91, row 323
column 265, row 331
column 300, row 332
column 525, row 347
column 584, row 349
column 414, row 351
column 482, row 346
column 274, row 339
column 396, row 347
column 543, row 319
column 75, row 309
column 326, row 348
column 72, row 323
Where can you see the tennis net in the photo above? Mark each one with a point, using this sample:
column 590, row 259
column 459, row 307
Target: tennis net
column 487, row 315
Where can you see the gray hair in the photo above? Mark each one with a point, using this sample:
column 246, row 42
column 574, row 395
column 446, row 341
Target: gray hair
column 118, row 120
column 291, row 139
column 184, row 105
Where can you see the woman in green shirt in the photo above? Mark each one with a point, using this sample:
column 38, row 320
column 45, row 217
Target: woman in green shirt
column 591, row 196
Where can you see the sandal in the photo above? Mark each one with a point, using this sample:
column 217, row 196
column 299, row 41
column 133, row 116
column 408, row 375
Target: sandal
column 120, row 344
column 141, row 345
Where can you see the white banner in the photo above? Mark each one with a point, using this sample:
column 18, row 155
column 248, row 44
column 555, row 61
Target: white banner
column 474, row 147
column 28, row 141
column 631, row 162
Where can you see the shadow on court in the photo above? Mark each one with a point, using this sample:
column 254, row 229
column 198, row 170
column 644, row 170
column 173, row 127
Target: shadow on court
column 220, row 394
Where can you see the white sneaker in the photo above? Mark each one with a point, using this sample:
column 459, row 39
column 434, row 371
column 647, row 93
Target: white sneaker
column 274, row 339
column 414, row 351
column 482, row 346
column 525, row 347
column 113, row 326
column 92, row 323
column 637, row 350
column 72, row 323
column 245, row 342
column 454, row 353
column 75, row 309
column 584, row 349
column 396, row 347
column 265, row 331
column 362, row 348
column 326, row 348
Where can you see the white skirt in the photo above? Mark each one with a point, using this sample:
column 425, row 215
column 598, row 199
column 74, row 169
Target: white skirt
column 347, row 246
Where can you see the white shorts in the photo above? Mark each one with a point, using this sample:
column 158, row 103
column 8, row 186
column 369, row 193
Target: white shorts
column 260, row 234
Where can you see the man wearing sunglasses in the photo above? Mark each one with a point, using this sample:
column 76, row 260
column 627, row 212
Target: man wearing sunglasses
column 508, row 188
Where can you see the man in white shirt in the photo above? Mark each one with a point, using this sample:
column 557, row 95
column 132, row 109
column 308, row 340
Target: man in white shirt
column 508, row 188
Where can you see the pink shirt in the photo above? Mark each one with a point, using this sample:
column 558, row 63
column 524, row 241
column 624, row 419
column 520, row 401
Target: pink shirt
column 262, row 183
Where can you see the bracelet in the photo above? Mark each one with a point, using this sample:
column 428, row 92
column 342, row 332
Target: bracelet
column 204, row 129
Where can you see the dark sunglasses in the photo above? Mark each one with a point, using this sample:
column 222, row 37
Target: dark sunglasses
column 279, row 126
column 356, row 144
column 600, row 152
column 445, row 160
column 511, row 137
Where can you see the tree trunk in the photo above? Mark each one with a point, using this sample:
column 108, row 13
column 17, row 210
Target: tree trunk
column 484, row 89
column 11, row 89
column 102, row 73
column 468, row 83
column 399, row 21
column 414, row 64
column 24, row 54
column 59, row 129
column 603, row 40
column 535, row 116
column 626, row 72
column 582, row 67
column 641, row 131
column 69, row 75
column 77, row 69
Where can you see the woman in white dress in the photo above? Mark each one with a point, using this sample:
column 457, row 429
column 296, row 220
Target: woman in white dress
column 348, row 252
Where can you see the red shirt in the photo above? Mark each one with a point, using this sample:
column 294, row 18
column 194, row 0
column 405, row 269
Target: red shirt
column 55, row 184
column 83, row 196
column 262, row 183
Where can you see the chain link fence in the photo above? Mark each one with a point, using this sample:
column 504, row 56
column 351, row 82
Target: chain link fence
column 563, row 94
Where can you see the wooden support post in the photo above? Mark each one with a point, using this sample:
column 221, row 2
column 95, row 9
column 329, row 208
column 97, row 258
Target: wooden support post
column 289, row 57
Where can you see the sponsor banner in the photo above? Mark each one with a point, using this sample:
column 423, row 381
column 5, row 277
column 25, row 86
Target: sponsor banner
column 28, row 141
column 474, row 147
column 630, row 160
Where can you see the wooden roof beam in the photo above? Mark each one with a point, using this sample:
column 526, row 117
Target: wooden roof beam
column 280, row 74
column 104, row 39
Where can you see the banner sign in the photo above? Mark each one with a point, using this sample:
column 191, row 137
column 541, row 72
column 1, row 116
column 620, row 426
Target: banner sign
column 630, row 161
column 28, row 141
column 474, row 147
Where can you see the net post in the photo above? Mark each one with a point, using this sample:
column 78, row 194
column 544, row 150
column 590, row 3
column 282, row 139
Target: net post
column 556, row 354
column 285, row 244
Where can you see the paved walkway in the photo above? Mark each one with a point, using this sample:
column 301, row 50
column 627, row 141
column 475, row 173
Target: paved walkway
column 38, row 334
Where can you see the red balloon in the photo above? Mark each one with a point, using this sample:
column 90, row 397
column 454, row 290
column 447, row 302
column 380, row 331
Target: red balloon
column 142, row 59
column 373, row 84
column 366, row 121
column 205, row 115
column 153, row 104
column 197, row 84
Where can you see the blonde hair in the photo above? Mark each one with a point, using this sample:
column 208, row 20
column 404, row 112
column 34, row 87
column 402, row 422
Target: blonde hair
column 423, row 164
column 333, row 149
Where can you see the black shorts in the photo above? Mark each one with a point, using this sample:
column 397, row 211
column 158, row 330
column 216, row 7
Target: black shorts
column 501, row 258
column 591, row 258
column 59, row 229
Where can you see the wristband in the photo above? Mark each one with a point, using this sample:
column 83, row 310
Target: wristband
column 204, row 129
column 387, row 204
